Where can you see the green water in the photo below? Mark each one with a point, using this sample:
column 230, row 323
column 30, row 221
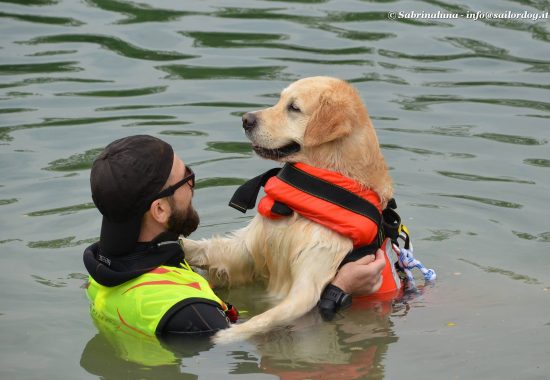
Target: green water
column 462, row 110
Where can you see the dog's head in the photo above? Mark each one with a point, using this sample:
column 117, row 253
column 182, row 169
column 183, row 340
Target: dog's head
column 321, row 121
column 310, row 113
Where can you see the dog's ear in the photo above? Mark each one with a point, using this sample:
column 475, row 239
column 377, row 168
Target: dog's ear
column 332, row 120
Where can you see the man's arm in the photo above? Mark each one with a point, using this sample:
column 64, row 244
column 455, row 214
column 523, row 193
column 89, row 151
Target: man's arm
column 195, row 318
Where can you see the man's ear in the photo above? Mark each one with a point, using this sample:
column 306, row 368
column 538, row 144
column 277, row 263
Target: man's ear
column 160, row 210
column 331, row 121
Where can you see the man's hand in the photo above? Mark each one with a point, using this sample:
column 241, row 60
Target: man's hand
column 361, row 277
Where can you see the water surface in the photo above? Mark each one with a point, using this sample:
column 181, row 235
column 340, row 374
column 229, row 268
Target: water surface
column 462, row 110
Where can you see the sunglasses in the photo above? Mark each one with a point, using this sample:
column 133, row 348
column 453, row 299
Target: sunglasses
column 170, row 190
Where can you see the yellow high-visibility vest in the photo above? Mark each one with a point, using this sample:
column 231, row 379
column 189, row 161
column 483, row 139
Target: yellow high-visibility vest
column 141, row 303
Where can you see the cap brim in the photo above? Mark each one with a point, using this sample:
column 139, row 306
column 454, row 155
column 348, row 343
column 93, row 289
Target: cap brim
column 119, row 239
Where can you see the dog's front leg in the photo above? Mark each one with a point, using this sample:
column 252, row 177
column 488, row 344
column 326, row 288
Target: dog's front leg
column 304, row 294
column 227, row 259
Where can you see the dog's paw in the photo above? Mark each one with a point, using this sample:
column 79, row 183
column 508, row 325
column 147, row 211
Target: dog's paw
column 194, row 252
column 230, row 335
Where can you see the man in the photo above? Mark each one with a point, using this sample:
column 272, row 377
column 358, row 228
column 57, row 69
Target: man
column 138, row 273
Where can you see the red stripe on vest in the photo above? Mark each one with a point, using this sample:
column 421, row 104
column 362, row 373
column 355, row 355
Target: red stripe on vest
column 359, row 228
column 195, row 285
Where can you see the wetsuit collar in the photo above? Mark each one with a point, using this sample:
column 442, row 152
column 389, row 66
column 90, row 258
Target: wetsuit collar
column 113, row 271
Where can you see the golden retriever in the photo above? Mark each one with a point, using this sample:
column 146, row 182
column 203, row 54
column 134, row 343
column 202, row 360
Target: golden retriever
column 322, row 122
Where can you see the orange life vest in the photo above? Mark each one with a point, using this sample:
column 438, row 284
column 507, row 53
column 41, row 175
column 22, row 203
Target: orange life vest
column 361, row 229
column 332, row 200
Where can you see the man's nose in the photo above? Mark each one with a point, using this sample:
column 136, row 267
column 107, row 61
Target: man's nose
column 249, row 121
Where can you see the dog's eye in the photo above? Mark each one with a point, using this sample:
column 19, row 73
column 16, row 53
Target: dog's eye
column 293, row 107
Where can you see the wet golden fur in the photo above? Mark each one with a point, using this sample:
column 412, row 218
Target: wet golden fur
column 294, row 256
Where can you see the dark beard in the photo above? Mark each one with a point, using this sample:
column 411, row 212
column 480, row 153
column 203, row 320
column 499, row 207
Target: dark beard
column 182, row 222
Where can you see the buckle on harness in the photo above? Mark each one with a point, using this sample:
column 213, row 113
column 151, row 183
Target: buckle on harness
column 390, row 227
column 391, row 223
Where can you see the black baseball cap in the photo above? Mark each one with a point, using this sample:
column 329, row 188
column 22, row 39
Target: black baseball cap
column 125, row 179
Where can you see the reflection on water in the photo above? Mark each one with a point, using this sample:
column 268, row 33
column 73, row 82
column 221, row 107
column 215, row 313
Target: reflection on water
column 5, row 131
column 63, row 210
column 43, row 19
column 66, row 242
column 138, row 13
column 79, row 161
column 461, row 108
column 352, row 346
column 488, row 201
column 39, row 68
column 508, row 273
column 205, row 72
column 115, row 45
column 474, row 177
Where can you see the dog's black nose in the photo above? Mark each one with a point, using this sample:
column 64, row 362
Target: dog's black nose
column 249, row 121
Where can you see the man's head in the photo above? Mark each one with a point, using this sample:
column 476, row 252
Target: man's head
column 137, row 185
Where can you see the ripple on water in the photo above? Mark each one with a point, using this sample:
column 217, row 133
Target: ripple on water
column 479, row 178
column 183, row 133
column 114, row 44
column 212, row 73
column 45, row 80
column 42, row 19
column 16, row 110
column 63, row 210
column 441, row 234
column 266, row 14
column 487, row 201
column 39, row 68
column 465, row 131
column 511, row 139
column 422, row 102
column 138, row 13
column 487, row 83
column 218, row 182
column 540, row 162
column 450, row 130
column 263, row 40
column 542, row 237
column 64, row 122
column 156, row 123
column 80, row 161
column 475, row 48
column 33, row 2
column 119, row 93
column 230, row 147
column 508, row 273
column 67, row 242
column 50, row 283
column 59, row 282
column 9, row 201
column 222, row 104
column 426, row 152
column 51, row 52
column 357, row 35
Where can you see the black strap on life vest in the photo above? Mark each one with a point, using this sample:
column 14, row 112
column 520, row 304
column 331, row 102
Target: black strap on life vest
column 329, row 192
column 388, row 222
column 245, row 197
